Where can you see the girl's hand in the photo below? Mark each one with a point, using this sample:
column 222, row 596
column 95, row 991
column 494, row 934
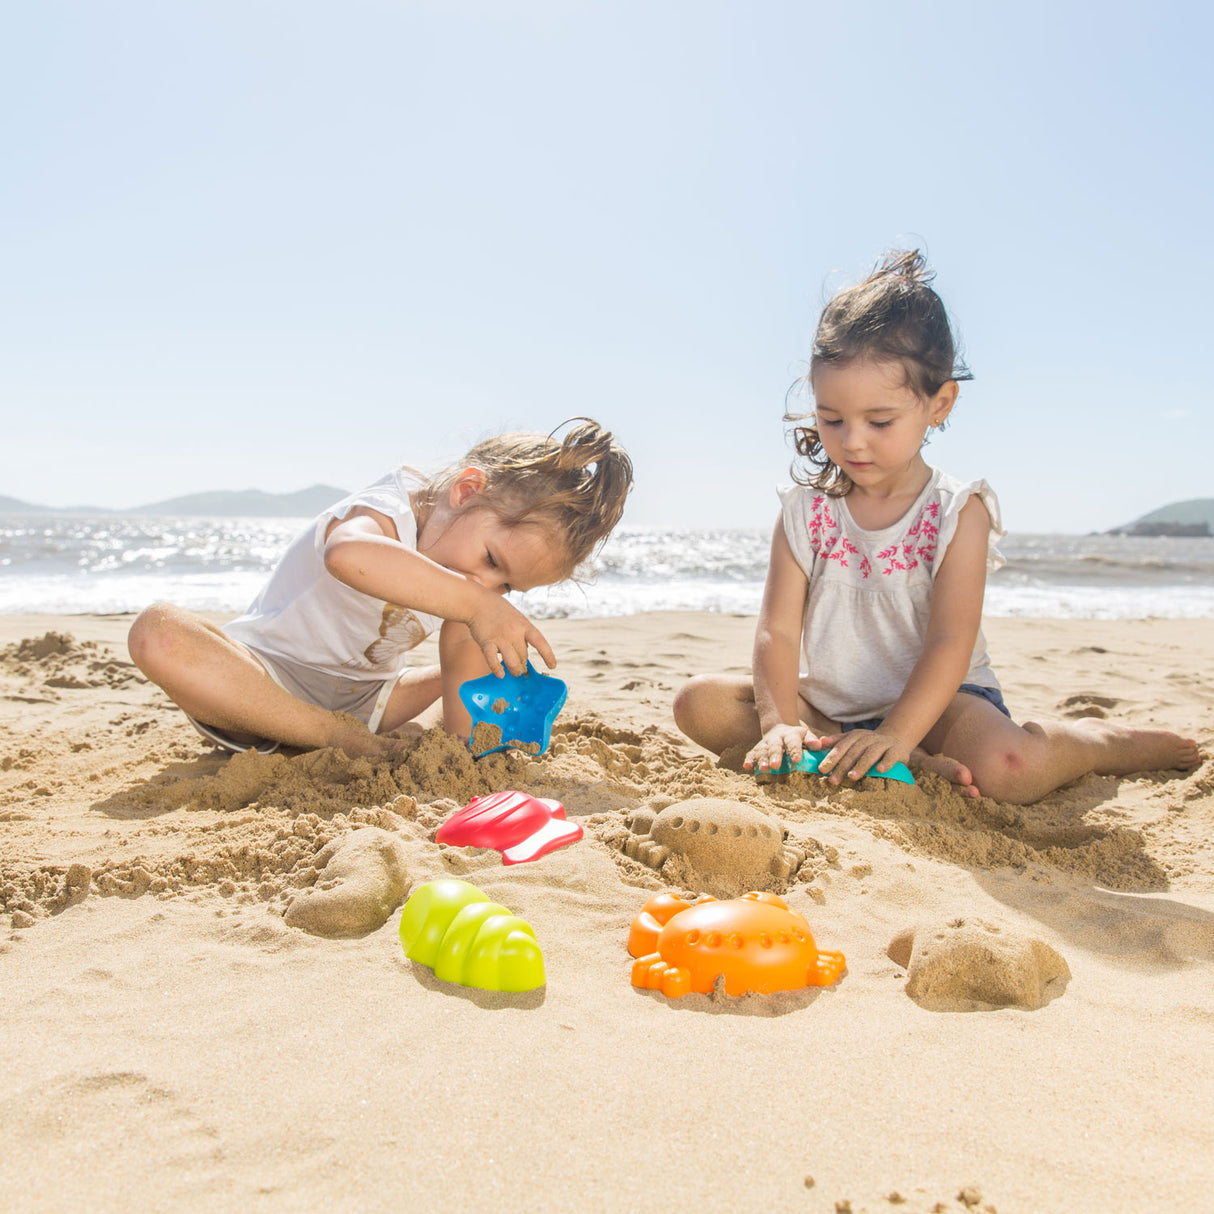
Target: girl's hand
column 498, row 627
column 858, row 752
column 768, row 753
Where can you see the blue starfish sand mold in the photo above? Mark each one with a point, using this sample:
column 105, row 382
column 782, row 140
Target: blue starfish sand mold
column 514, row 710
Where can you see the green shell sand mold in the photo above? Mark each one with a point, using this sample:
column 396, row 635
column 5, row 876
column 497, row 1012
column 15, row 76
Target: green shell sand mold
column 465, row 937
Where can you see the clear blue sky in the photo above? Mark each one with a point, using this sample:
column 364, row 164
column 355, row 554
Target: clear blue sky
column 252, row 244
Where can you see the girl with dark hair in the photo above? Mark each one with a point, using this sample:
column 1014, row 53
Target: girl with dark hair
column 869, row 641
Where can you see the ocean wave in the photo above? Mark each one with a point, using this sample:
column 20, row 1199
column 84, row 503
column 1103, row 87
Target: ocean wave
column 1066, row 557
column 112, row 564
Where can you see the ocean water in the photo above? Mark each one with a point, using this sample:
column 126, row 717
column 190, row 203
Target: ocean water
column 66, row 564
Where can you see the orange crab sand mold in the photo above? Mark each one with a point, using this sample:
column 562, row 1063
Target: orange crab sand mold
column 754, row 942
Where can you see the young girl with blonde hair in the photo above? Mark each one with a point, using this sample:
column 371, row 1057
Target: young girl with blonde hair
column 869, row 640
column 319, row 657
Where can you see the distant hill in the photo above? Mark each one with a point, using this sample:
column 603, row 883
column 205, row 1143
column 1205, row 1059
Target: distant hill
column 1192, row 517
column 10, row 505
column 13, row 505
column 249, row 502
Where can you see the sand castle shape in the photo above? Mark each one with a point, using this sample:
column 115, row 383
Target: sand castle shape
column 716, row 836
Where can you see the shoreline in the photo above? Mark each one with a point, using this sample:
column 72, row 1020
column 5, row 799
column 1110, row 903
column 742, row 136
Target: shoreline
column 117, row 567
column 173, row 1039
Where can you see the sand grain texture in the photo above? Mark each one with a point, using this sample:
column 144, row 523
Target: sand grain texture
column 205, row 1004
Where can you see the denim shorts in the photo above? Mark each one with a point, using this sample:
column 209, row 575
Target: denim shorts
column 991, row 694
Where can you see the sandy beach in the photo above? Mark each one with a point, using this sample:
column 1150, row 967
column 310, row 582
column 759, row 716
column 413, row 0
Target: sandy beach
column 201, row 1011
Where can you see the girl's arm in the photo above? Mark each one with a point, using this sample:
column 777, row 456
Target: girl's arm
column 460, row 659
column 777, row 658
column 363, row 551
column 952, row 629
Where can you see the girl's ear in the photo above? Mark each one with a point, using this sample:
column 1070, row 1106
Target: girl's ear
column 468, row 484
column 942, row 403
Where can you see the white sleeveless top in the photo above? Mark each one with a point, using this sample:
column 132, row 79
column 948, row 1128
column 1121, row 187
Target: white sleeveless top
column 305, row 614
column 870, row 593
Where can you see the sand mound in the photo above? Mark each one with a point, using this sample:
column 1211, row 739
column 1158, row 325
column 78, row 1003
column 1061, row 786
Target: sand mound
column 327, row 782
column 967, row 964
column 262, row 818
column 361, row 878
column 58, row 660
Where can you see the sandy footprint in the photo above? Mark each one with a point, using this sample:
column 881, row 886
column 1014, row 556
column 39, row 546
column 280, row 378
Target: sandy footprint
column 130, row 1120
column 967, row 964
column 361, row 879
column 1085, row 705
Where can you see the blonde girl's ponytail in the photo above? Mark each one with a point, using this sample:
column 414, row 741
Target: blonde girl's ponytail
column 600, row 476
column 577, row 484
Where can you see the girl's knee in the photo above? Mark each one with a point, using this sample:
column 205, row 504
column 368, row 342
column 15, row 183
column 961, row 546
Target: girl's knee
column 697, row 703
column 716, row 711
column 689, row 700
column 141, row 638
column 153, row 637
column 1007, row 769
column 998, row 775
column 1004, row 761
column 1002, row 757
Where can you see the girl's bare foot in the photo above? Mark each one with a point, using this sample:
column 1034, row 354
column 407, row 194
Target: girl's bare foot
column 351, row 736
column 1131, row 749
column 949, row 769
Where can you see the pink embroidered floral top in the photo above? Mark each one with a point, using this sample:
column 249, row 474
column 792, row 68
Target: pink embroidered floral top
column 870, row 593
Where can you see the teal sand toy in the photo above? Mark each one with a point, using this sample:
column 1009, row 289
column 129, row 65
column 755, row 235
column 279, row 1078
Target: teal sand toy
column 516, row 710
column 811, row 758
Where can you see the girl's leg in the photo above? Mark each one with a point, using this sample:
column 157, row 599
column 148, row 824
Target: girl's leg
column 718, row 712
column 414, row 692
column 1022, row 764
column 218, row 681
